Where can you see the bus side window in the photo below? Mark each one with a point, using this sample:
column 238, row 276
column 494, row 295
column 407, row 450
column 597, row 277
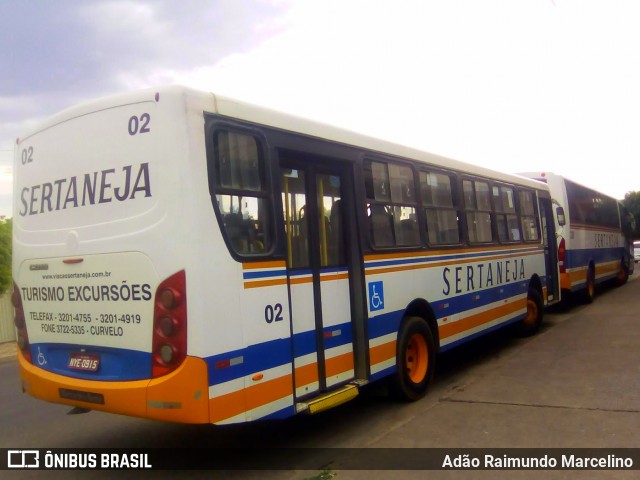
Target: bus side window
column 506, row 218
column 528, row 217
column 478, row 211
column 441, row 214
column 392, row 204
column 240, row 193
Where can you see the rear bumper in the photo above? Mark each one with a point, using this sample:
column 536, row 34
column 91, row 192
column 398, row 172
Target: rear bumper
column 181, row 396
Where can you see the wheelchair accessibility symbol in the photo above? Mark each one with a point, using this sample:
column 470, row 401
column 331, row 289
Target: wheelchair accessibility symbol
column 376, row 296
column 41, row 360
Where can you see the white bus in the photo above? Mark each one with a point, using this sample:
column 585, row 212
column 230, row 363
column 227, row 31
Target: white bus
column 183, row 256
column 595, row 231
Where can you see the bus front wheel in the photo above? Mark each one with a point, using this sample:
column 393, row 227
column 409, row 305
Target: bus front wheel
column 415, row 360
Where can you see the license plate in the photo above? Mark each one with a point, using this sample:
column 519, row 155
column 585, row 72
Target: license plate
column 84, row 361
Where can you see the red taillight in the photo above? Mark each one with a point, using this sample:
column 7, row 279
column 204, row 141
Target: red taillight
column 20, row 323
column 562, row 254
column 169, row 325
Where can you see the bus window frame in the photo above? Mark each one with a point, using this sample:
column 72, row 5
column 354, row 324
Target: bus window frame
column 213, row 127
column 456, row 198
column 365, row 163
column 516, row 210
column 536, row 214
column 466, row 210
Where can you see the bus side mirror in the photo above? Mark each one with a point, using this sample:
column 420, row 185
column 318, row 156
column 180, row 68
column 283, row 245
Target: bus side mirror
column 560, row 215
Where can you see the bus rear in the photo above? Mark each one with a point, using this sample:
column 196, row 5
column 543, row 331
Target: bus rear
column 101, row 307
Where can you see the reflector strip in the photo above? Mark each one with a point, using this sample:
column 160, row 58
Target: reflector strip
column 230, row 362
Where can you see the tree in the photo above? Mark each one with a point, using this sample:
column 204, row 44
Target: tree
column 632, row 204
column 5, row 254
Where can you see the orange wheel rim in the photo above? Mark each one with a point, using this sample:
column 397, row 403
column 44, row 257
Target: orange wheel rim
column 417, row 358
column 532, row 312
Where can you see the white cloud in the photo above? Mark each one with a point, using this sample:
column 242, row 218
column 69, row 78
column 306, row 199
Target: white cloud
column 515, row 86
column 511, row 85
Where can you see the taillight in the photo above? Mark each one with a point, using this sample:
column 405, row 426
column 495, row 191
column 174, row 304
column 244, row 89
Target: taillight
column 562, row 253
column 20, row 323
column 169, row 325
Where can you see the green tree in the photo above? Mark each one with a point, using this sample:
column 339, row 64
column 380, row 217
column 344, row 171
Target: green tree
column 632, row 203
column 5, row 254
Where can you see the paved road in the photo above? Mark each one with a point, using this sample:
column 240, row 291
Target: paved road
column 576, row 384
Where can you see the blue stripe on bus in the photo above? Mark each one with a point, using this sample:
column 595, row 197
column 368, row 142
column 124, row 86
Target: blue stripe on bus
column 390, row 322
column 385, row 324
column 250, row 275
column 115, row 363
column 286, row 412
column 304, row 343
column 581, row 257
column 300, row 272
column 266, row 274
column 245, row 361
column 462, row 303
column 344, row 337
column 263, row 356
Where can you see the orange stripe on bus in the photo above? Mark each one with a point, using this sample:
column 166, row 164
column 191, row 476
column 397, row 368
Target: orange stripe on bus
column 236, row 403
column 382, row 353
column 265, row 283
column 306, row 374
column 327, row 277
column 565, row 281
column 339, row 364
column 481, row 318
column 607, row 268
column 227, row 406
column 580, row 275
column 300, row 280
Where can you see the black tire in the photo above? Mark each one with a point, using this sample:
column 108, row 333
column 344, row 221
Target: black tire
column 589, row 292
column 530, row 324
column 623, row 274
column 415, row 360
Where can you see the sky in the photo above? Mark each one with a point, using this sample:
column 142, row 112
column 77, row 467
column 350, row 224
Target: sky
column 512, row 85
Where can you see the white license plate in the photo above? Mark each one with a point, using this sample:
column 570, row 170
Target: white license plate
column 84, row 361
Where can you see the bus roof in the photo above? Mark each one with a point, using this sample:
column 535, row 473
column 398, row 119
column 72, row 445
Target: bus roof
column 264, row 116
column 544, row 176
column 226, row 106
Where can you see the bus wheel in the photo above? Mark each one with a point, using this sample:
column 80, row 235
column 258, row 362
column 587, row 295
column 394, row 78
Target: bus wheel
column 623, row 274
column 589, row 292
column 535, row 313
column 415, row 360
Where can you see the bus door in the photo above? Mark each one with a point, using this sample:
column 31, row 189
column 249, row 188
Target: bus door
column 550, row 250
column 316, row 236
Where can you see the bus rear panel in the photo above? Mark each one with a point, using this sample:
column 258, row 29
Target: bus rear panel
column 100, row 285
